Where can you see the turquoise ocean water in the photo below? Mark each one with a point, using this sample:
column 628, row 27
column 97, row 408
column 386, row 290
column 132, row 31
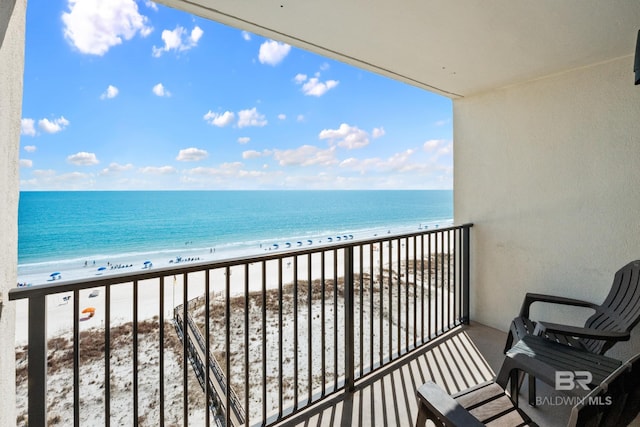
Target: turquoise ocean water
column 63, row 230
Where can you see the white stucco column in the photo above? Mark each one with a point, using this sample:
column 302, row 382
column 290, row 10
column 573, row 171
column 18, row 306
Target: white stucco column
column 12, row 38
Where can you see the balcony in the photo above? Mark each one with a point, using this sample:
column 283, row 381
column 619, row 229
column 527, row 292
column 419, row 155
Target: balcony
column 342, row 333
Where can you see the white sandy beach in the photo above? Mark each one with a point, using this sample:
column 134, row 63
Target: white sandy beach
column 60, row 323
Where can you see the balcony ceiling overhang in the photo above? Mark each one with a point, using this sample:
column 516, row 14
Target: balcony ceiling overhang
column 455, row 48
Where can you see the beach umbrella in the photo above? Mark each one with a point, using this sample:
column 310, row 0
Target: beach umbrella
column 90, row 311
column 102, row 268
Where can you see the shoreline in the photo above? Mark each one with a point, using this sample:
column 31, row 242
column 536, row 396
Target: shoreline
column 60, row 306
column 37, row 273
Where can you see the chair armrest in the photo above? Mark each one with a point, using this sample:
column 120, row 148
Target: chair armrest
column 530, row 298
column 444, row 407
column 524, row 363
column 577, row 331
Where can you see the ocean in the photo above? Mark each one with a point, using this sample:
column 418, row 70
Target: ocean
column 71, row 230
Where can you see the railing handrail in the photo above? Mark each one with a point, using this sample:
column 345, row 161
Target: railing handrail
column 61, row 286
column 444, row 287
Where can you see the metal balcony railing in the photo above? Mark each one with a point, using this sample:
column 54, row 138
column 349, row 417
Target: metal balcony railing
column 265, row 336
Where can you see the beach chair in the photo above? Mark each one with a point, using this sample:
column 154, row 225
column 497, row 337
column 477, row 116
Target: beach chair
column 614, row 402
column 611, row 322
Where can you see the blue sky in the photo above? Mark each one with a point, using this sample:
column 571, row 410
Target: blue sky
column 152, row 98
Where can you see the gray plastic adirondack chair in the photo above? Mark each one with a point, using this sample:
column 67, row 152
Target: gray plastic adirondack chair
column 611, row 322
column 613, row 403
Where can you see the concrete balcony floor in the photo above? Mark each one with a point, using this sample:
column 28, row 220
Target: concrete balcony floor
column 458, row 360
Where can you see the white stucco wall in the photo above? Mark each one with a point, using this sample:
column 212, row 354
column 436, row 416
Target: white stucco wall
column 12, row 26
column 549, row 173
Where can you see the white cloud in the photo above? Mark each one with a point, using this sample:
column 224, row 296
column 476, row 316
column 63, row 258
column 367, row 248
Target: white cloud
column 48, row 179
column 220, row 120
column 25, row 163
column 432, row 144
column 178, row 40
column 300, row 118
column 377, row 132
column 160, row 90
column 151, row 5
column 195, row 36
column 251, row 154
column 225, row 169
column 95, row 26
column 307, row 155
column 314, row 87
column 115, row 168
column 83, row 159
column 30, row 148
column 246, row 35
column 243, row 140
column 224, row 172
column 438, row 147
column 192, row 155
column 282, row 117
column 154, row 170
column 53, row 126
column 273, row 52
column 251, row 118
column 110, row 93
column 399, row 162
column 349, row 137
column 27, row 127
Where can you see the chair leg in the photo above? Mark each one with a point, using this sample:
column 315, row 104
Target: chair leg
column 515, row 386
column 532, row 390
column 422, row 416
